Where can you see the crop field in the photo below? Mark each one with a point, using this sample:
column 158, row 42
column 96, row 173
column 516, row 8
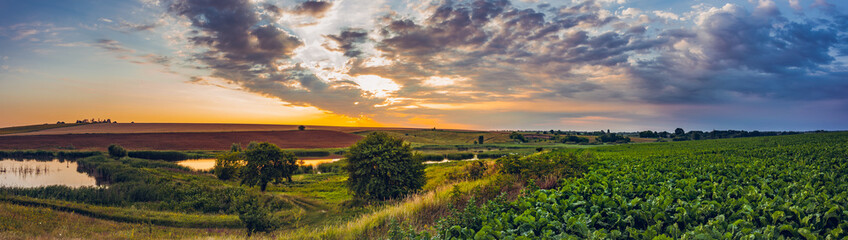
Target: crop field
column 793, row 187
column 181, row 141
column 36, row 128
column 53, row 129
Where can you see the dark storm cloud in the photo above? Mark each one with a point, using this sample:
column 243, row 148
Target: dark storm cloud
column 247, row 51
column 741, row 53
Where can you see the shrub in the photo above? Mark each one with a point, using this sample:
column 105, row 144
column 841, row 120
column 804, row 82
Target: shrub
column 227, row 165
column 477, row 169
column 430, row 157
column 557, row 163
column 489, row 155
column 459, row 156
column 382, row 167
column 116, row 151
column 332, row 167
column 159, row 155
column 255, row 215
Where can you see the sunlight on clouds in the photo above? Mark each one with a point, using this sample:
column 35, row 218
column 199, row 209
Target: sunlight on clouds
column 438, row 81
column 378, row 86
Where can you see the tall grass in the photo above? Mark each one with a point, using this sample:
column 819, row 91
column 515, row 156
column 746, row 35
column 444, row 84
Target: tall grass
column 420, row 209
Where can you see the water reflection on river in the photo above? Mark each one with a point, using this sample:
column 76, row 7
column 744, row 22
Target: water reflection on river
column 209, row 163
column 33, row 173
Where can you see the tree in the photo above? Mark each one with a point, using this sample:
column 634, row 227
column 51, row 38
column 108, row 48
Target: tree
column 382, row 167
column 679, row 132
column 267, row 163
column 301, row 128
column 648, row 134
column 227, row 164
column 517, row 136
column 480, row 139
column 116, row 151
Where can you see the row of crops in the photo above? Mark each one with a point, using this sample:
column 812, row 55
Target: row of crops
column 793, row 187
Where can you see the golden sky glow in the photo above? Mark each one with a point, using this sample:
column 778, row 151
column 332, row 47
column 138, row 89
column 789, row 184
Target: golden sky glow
column 570, row 65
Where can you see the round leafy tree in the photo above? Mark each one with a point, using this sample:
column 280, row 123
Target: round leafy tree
column 116, row 151
column 381, row 167
column 265, row 162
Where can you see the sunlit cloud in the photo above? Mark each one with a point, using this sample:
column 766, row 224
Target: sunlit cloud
column 578, row 64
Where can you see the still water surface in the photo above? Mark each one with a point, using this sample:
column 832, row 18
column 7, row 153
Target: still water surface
column 32, row 173
column 209, row 163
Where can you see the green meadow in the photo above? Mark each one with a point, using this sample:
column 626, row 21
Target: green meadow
column 743, row 188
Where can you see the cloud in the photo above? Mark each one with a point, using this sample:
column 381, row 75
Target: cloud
column 667, row 15
column 347, row 41
column 732, row 53
column 428, row 59
column 796, row 5
column 112, row 46
column 312, row 8
column 256, row 54
column 133, row 27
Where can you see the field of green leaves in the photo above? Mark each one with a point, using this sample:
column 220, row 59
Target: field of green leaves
column 793, row 187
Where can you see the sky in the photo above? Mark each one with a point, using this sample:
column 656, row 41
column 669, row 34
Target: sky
column 623, row 65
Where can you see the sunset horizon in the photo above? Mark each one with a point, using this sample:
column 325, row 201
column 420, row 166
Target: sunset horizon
column 570, row 65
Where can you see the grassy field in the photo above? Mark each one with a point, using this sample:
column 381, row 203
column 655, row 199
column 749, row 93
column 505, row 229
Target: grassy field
column 319, row 206
column 28, row 222
column 38, row 127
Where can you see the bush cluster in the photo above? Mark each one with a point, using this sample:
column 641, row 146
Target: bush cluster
column 459, row 156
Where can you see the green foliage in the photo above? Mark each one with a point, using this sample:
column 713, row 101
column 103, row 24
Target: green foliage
column 301, row 127
column 332, row 167
column 477, row 169
column 792, row 187
column 159, row 155
column 430, row 157
column 255, row 215
column 575, row 139
column 459, row 156
column 310, row 153
column 648, row 134
column 491, row 155
column 382, row 167
column 480, row 139
column 612, row 137
column 517, row 136
column 266, row 163
column 227, row 165
column 559, row 163
column 116, row 151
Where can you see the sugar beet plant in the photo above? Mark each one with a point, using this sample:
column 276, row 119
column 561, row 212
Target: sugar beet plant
column 792, row 187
